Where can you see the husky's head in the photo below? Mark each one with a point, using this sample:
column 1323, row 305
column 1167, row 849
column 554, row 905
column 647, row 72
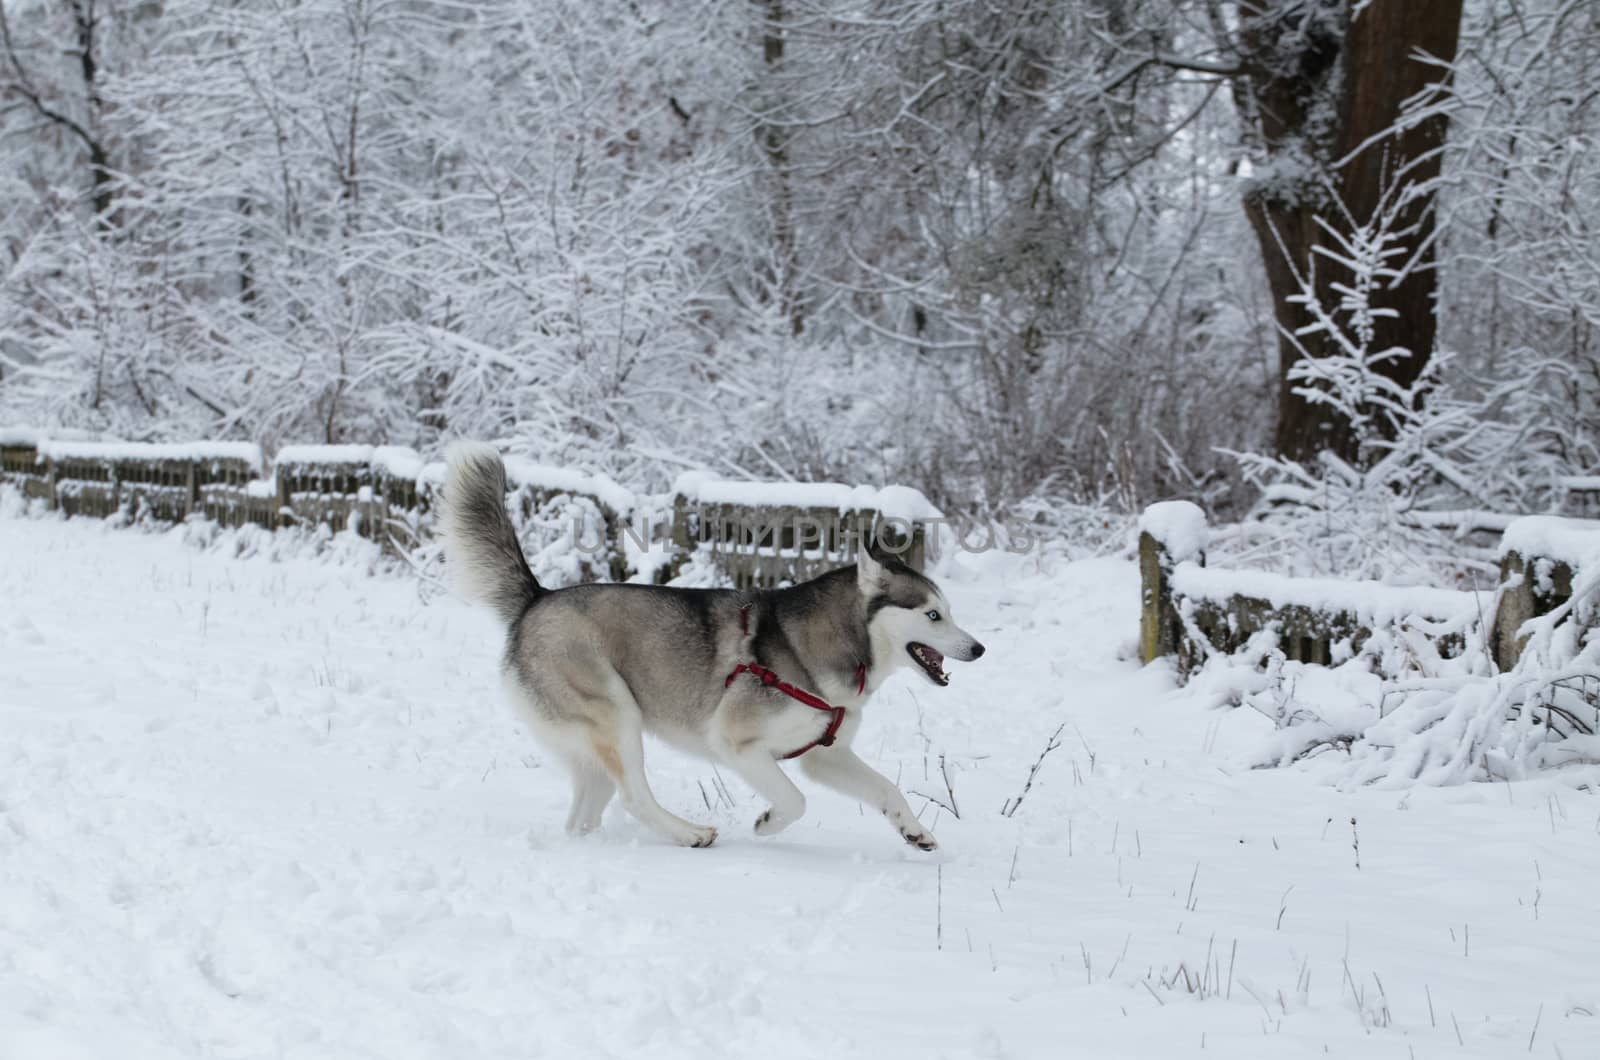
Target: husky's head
column 909, row 619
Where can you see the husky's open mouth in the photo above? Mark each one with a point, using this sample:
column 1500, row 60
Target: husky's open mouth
column 932, row 662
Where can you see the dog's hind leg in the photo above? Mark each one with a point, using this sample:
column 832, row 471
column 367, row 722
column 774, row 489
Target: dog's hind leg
column 568, row 738
column 591, row 792
column 619, row 748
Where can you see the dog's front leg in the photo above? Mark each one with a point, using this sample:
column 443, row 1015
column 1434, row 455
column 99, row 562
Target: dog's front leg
column 740, row 719
column 842, row 769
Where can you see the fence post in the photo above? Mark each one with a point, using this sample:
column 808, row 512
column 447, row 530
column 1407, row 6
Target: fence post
column 1515, row 608
column 281, row 478
column 1539, row 560
column 1170, row 533
column 680, row 523
column 1530, row 586
column 917, row 554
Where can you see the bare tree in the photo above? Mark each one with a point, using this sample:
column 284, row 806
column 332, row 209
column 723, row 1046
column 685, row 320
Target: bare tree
column 74, row 109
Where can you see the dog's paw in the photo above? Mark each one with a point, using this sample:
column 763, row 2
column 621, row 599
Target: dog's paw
column 770, row 824
column 699, row 836
column 920, row 838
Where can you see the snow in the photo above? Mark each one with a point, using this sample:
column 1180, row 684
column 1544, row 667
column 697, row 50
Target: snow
column 893, row 502
column 399, row 461
column 1572, row 541
column 58, row 449
column 1581, row 483
column 1179, row 527
column 72, row 450
column 1371, row 601
column 31, row 436
column 325, row 454
column 521, row 471
column 904, row 502
column 303, row 823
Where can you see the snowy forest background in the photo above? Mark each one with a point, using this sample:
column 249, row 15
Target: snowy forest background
column 1021, row 254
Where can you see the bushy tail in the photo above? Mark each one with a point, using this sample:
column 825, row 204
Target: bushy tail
column 481, row 548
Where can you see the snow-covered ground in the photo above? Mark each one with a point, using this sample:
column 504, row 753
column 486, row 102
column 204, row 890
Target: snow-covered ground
column 278, row 809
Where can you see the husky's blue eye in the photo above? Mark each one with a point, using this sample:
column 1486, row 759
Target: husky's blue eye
column 933, row 616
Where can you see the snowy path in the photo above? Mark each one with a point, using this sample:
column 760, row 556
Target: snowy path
column 255, row 809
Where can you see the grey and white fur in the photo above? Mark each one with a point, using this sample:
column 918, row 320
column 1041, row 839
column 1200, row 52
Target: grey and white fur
column 594, row 667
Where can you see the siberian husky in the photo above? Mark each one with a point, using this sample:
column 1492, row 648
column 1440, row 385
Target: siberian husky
column 746, row 679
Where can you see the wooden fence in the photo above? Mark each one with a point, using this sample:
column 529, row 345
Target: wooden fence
column 1189, row 610
column 758, row 534
column 168, row 482
column 762, row 534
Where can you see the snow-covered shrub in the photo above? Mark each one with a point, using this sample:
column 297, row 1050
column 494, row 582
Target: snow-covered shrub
column 13, row 505
column 566, row 540
column 1400, row 712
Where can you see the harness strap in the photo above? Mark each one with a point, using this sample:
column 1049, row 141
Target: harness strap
column 770, row 679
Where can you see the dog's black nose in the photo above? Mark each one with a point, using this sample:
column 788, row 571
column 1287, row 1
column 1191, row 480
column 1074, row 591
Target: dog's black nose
column 977, row 650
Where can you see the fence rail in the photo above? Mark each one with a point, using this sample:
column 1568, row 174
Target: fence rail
column 390, row 495
column 1189, row 610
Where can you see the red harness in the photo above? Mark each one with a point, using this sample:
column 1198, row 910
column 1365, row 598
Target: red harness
column 770, row 679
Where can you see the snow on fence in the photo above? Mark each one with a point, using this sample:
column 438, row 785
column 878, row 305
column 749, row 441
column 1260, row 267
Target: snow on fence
column 107, row 478
column 1191, row 611
column 761, row 533
column 576, row 526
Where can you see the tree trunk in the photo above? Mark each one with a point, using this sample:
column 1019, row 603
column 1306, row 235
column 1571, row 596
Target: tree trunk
column 1305, row 61
column 775, row 143
column 84, row 19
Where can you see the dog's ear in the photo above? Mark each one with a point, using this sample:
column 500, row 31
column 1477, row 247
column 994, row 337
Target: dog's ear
column 871, row 577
